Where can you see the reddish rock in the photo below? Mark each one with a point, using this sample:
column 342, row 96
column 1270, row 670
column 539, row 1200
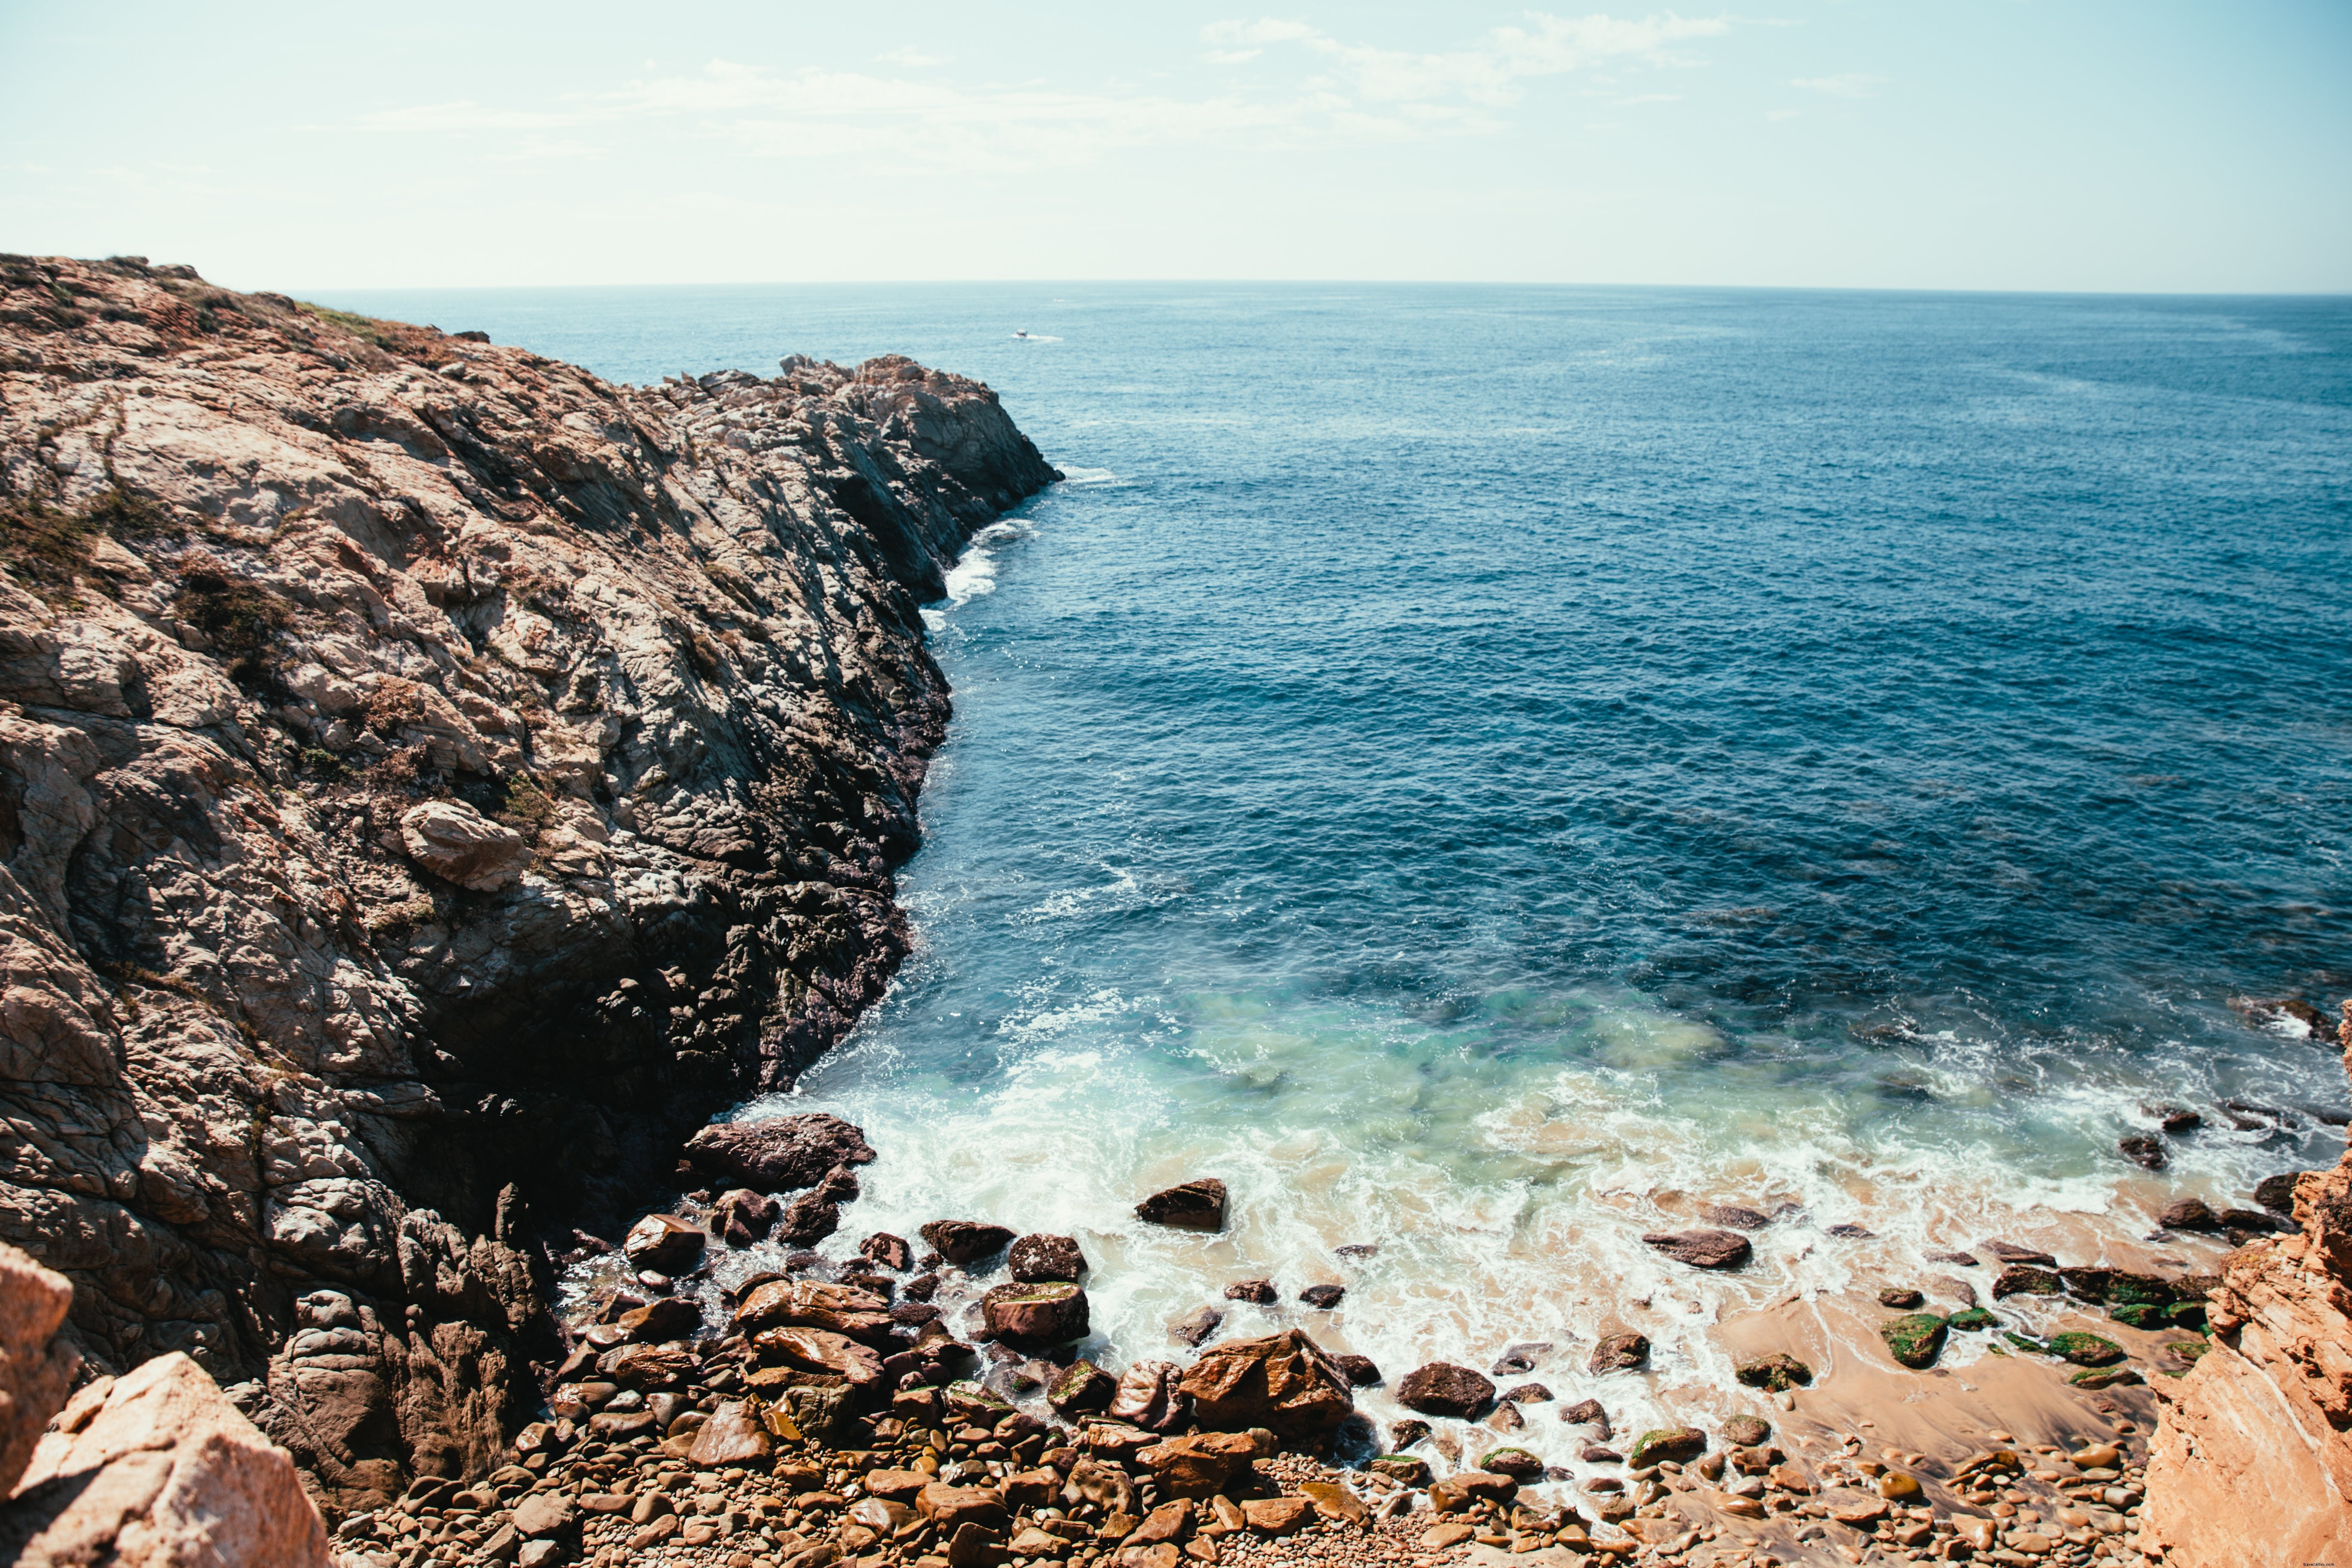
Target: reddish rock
column 1258, row 1292
column 1702, row 1248
column 1082, row 1386
column 1619, row 1352
column 2189, row 1213
column 1735, row 1216
column 815, row 1350
column 36, row 1368
column 1359, row 1370
column 1035, row 1317
column 1037, row 1258
column 2009, row 1252
column 665, row 1243
column 1201, row 1465
column 778, row 1154
column 1195, row 1206
column 1148, row 1397
column 889, row 1251
column 1323, row 1296
column 951, row 1507
column 666, row 1318
column 2019, row 1280
column 1442, row 1388
column 962, row 1241
column 2144, row 1150
column 742, row 1217
column 733, row 1436
column 817, row 1304
column 1284, row 1382
column 1195, row 1327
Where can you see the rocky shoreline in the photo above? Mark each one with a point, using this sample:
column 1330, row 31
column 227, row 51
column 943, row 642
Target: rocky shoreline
column 433, row 780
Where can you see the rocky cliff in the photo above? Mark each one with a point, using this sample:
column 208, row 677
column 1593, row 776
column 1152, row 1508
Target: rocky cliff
column 432, row 780
column 2252, row 1458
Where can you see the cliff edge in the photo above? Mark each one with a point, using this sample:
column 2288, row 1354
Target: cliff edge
column 2252, row 1458
column 432, row 781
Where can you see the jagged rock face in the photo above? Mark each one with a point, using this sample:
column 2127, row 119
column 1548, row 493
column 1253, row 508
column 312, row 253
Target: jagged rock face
column 2252, row 1457
column 432, row 780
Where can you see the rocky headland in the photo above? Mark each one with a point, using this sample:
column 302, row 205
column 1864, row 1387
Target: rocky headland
column 433, row 780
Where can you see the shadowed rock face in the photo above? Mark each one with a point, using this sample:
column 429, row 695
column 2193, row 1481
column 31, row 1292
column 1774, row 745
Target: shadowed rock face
column 432, row 780
column 2251, row 1461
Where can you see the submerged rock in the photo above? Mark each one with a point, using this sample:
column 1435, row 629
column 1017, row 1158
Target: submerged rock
column 1037, row 1258
column 1619, row 1352
column 1916, row 1340
column 1777, row 1372
column 1442, row 1388
column 1702, row 1248
column 962, row 1241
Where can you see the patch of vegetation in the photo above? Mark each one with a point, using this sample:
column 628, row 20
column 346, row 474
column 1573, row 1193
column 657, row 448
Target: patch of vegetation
column 391, row 706
column 524, row 803
column 1916, row 1338
column 241, row 619
column 322, row 761
column 367, row 329
column 47, row 548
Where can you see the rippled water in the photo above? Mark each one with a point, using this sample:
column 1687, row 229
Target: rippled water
column 1485, row 770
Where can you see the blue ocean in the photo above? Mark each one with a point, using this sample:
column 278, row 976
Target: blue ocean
column 1490, row 771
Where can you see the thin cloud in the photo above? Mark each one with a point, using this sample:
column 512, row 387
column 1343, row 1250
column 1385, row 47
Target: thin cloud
column 1855, row 85
column 1490, row 70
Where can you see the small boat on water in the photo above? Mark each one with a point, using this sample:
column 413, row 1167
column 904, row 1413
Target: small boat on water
column 1021, row 333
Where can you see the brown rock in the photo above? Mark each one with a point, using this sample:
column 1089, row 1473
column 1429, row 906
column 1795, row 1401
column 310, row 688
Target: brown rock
column 1195, row 1327
column 1082, row 1386
column 1619, row 1352
column 816, row 1304
column 887, row 1250
column 36, row 1367
column 1148, row 1397
column 1777, row 1372
column 2189, row 1213
column 1737, row 1217
column 1459, row 1491
column 1260, row 1292
column 815, row 1350
column 1282, row 1382
column 733, row 1436
column 1276, row 1515
column 951, row 1507
column 742, row 1217
column 1587, row 1413
column 663, row 1243
column 1037, row 1258
column 1197, row 1205
column 1702, row 1248
column 1105, row 1485
column 1901, row 1298
column 2144, row 1150
column 157, row 1469
column 962, row 1241
column 1035, row 1317
column 1325, row 1297
column 1200, row 1465
column 2009, row 1252
column 897, row 1486
column 664, row 1318
column 647, row 1366
column 1359, row 1370
column 1335, row 1502
column 543, row 1516
column 1170, row 1522
column 2019, row 1280
column 778, row 1154
column 1442, row 1388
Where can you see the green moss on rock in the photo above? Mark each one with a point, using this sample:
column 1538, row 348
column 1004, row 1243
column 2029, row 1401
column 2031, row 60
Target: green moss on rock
column 1777, row 1372
column 1679, row 1444
column 2085, row 1350
column 1915, row 1339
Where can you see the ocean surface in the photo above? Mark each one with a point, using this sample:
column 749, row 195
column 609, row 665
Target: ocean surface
column 1488, row 770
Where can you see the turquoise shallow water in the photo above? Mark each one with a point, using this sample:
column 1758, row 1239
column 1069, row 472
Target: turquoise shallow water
column 1487, row 770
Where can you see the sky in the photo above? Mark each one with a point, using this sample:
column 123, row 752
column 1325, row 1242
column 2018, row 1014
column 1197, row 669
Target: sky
column 1975, row 144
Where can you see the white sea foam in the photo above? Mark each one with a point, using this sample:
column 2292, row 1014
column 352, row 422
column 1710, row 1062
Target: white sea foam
column 975, row 573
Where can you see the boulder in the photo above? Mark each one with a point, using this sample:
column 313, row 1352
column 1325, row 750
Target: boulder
column 544, row 1516
column 1702, row 1248
column 647, row 1366
column 778, row 1154
column 1916, row 1338
column 1359, row 1370
column 1520, row 1358
column 1083, row 1386
column 458, row 844
column 1744, row 1431
column 1035, row 1317
column 1517, row 1463
column 1901, row 1298
column 1335, row 1501
column 1259, row 1292
column 1195, row 1327
column 2023, row 1280
column 817, row 1304
column 1460, row 1489
column 1679, row 1444
column 1405, row 1433
column 1037, row 1258
column 1619, row 1352
column 665, row 1243
column 1170, row 1522
column 817, row 1350
column 1201, row 1465
column 949, row 1509
column 157, row 1469
column 1528, row 1394
column 663, row 1318
column 1277, row 1515
column 1106, row 1486
column 1442, row 1388
column 36, row 1368
column 1284, row 1382
column 1323, row 1296
column 733, row 1436
column 2189, row 1213
column 1735, row 1216
column 1589, row 1412
column 962, row 1241
column 1401, row 1468
column 742, row 1217
column 2085, row 1350
column 2277, row 1193
column 808, row 1219
column 2007, row 1252
column 887, row 1250
column 1148, row 1397
column 2144, row 1150
column 1775, row 1373
column 1197, row 1205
